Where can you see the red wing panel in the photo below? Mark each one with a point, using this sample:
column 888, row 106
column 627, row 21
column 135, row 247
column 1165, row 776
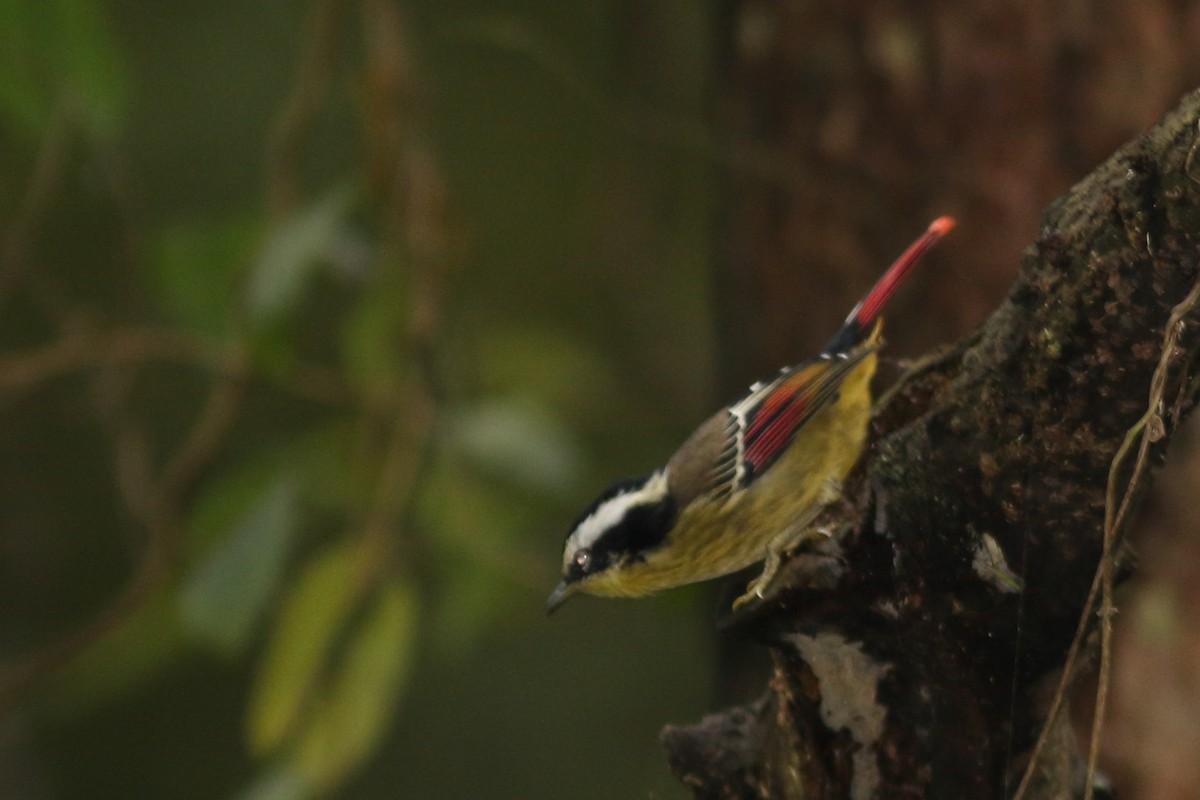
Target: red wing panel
column 788, row 405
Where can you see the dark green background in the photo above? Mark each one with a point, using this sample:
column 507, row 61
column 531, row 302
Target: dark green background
column 572, row 140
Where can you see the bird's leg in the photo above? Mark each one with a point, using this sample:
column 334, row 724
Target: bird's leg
column 757, row 588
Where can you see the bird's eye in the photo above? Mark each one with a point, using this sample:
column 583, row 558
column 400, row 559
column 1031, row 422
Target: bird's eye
column 583, row 560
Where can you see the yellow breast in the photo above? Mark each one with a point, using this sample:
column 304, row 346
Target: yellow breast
column 719, row 535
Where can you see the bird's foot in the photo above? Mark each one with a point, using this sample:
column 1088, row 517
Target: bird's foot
column 757, row 588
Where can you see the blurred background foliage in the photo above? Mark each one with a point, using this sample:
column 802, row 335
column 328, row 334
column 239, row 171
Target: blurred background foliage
column 319, row 323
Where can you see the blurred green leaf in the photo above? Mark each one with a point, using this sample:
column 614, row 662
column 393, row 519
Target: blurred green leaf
column 195, row 271
column 90, row 60
column 278, row 783
column 354, row 714
column 329, row 471
column 470, row 601
column 142, row 644
column 298, row 651
column 226, row 595
column 518, row 443
column 473, row 518
column 22, row 99
column 229, row 496
column 482, row 535
column 552, row 365
column 56, row 51
column 338, row 476
column 292, row 253
column 372, row 337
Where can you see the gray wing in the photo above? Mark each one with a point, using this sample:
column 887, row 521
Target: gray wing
column 709, row 462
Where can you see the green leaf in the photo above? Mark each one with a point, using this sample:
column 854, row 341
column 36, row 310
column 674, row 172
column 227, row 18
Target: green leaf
column 481, row 536
column 228, row 497
column 228, row 592
column 353, row 716
column 195, row 271
column 457, row 508
column 291, row 255
column 53, row 51
column 325, row 463
column 372, row 337
column 516, row 442
column 142, row 644
column 552, row 365
column 279, row 783
column 469, row 605
column 89, row 60
column 337, row 477
column 23, row 100
column 300, row 646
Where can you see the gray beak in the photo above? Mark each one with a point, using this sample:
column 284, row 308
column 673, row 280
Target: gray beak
column 558, row 597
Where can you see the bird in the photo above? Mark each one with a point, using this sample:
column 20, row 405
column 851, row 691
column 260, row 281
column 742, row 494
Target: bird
column 748, row 483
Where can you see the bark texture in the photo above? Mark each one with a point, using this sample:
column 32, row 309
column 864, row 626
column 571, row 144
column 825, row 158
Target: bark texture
column 915, row 649
column 849, row 126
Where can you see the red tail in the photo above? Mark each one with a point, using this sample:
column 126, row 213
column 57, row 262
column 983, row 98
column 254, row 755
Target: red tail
column 860, row 319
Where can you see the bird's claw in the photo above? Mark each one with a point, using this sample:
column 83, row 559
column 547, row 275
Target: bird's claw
column 757, row 588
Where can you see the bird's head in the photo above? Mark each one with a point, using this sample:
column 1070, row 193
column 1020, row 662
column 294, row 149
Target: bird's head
column 618, row 529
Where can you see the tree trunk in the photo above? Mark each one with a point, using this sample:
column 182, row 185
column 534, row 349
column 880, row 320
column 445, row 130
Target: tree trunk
column 915, row 650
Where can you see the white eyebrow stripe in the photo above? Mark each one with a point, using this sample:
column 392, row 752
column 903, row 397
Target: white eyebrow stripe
column 612, row 511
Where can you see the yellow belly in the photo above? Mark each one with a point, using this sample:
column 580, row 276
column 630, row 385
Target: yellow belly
column 719, row 536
